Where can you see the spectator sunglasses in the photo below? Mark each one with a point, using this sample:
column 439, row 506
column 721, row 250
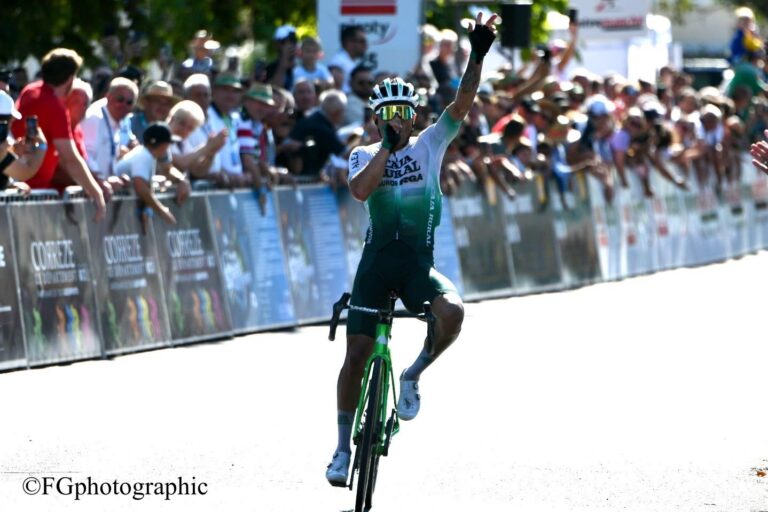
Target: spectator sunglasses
column 388, row 112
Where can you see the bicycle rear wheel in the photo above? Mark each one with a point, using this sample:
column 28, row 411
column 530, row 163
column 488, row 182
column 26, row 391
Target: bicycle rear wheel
column 369, row 454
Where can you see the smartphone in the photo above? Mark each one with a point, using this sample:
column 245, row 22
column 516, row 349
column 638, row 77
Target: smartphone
column 3, row 131
column 573, row 14
column 31, row 123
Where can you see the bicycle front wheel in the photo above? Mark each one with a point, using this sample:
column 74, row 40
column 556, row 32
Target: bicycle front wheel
column 369, row 453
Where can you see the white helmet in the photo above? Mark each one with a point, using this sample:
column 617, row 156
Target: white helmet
column 391, row 92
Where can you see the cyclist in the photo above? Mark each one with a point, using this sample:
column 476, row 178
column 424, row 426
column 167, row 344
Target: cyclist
column 399, row 181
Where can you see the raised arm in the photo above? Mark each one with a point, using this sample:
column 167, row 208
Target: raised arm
column 481, row 37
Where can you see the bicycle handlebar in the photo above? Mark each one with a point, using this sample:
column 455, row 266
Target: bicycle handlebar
column 343, row 303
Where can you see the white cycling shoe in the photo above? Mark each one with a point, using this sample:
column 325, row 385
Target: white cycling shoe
column 338, row 470
column 410, row 400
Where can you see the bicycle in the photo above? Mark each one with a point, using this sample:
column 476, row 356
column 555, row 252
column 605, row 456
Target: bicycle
column 371, row 433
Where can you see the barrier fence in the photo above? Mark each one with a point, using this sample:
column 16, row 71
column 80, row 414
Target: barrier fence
column 74, row 289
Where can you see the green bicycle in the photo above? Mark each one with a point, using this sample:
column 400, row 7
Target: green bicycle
column 374, row 428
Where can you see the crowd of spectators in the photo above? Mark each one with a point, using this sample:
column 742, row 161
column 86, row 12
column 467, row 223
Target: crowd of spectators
column 301, row 114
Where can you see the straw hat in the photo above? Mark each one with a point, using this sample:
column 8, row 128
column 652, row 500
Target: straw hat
column 159, row 89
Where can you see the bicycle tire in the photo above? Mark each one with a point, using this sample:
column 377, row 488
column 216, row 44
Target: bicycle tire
column 369, row 458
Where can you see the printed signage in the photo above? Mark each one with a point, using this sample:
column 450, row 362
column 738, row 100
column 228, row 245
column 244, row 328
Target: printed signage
column 391, row 28
column 611, row 19
column 194, row 292
column 129, row 288
column 313, row 242
column 12, row 352
column 252, row 261
column 55, row 276
column 479, row 229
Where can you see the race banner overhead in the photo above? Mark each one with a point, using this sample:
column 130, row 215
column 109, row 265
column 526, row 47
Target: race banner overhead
column 611, row 19
column 391, row 27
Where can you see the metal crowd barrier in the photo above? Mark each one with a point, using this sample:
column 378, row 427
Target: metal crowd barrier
column 233, row 264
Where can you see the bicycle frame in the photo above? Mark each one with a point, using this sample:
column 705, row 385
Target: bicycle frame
column 380, row 351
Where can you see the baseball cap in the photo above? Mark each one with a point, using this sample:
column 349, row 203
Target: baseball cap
column 285, row 32
column 599, row 105
column 159, row 133
column 261, row 92
column 227, row 80
column 7, row 108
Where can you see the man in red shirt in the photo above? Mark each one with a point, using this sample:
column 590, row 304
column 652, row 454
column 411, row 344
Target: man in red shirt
column 45, row 99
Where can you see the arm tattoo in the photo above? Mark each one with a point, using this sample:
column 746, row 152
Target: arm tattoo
column 470, row 81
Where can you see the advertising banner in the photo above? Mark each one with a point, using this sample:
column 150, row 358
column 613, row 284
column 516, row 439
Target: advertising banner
column 531, row 238
column 55, row 276
column 611, row 19
column 575, row 233
column 608, row 233
column 480, row 233
column 391, row 28
column 12, row 353
column 354, row 224
column 129, row 289
column 252, row 261
column 757, row 206
column 636, row 233
column 446, row 255
column 314, row 247
column 735, row 221
column 194, row 291
column 705, row 242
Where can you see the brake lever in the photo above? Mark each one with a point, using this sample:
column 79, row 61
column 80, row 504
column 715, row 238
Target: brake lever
column 338, row 307
column 430, row 319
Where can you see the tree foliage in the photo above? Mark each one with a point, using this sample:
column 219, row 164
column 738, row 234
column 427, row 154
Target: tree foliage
column 33, row 29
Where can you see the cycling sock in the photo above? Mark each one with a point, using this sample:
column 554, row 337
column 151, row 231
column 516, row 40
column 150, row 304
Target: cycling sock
column 345, row 421
column 414, row 371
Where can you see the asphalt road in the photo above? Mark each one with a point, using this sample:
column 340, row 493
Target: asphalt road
column 642, row 395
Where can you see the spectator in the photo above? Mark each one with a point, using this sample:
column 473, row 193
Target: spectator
column 444, row 66
column 745, row 39
column 186, row 117
column 361, row 83
column 155, row 104
column 197, row 88
column 140, row 165
column 305, row 96
column 77, row 102
column 308, row 67
column 748, row 72
column 280, row 70
column 256, row 139
column 353, row 47
column 104, row 123
column 201, row 61
column 223, row 117
column 18, row 160
column 315, row 136
column 44, row 99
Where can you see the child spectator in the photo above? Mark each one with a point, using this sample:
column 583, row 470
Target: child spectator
column 310, row 52
column 140, row 165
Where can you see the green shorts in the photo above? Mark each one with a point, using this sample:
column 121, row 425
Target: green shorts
column 395, row 267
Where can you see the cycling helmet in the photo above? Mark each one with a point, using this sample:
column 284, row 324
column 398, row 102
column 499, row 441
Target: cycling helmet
column 391, row 92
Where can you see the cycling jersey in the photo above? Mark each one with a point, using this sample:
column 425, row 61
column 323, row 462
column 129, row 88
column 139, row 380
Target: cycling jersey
column 407, row 204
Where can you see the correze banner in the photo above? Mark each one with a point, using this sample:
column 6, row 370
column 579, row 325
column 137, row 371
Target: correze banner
column 391, row 27
column 129, row 288
column 194, row 292
column 11, row 340
column 58, row 301
column 611, row 19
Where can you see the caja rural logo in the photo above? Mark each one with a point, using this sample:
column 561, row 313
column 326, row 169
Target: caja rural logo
column 605, row 4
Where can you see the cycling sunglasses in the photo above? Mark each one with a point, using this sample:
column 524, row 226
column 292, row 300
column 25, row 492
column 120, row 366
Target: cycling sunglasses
column 388, row 112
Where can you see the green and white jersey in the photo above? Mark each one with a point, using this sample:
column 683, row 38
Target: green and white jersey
column 408, row 202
